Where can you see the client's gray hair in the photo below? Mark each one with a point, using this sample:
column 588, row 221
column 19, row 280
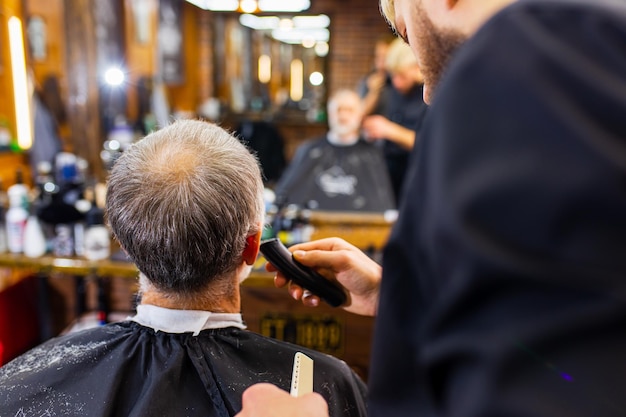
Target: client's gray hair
column 181, row 203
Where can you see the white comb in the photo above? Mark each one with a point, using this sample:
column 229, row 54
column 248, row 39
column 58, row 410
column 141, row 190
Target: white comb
column 302, row 376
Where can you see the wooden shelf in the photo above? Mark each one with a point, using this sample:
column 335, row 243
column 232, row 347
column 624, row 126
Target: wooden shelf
column 366, row 231
column 266, row 310
column 73, row 266
column 49, row 265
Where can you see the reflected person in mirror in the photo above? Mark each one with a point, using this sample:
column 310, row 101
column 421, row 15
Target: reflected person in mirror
column 396, row 128
column 339, row 171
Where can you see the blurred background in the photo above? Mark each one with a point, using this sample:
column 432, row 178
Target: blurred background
column 81, row 80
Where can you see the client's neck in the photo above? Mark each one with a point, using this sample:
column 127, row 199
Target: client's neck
column 342, row 139
column 216, row 298
column 165, row 301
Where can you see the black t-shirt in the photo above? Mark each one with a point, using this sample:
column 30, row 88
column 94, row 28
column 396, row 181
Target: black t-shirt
column 407, row 110
column 504, row 283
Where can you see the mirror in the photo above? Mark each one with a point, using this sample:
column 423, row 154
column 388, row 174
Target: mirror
column 271, row 64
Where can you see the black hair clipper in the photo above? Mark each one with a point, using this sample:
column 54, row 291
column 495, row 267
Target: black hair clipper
column 279, row 256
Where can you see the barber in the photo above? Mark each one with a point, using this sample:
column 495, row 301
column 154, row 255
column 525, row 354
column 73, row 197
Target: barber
column 503, row 291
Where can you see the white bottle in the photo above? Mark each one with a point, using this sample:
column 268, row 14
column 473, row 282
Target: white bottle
column 83, row 206
column 97, row 238
column 16, row 220
column 34, row 238
column 3, row 232
column 3, row 208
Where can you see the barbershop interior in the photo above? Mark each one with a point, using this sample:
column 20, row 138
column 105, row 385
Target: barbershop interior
column 81, row 81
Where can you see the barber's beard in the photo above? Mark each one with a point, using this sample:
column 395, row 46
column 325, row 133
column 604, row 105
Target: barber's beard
column 436, row 47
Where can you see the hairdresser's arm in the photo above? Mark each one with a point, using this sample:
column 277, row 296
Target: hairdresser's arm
column 338, row 260
column 378, row 127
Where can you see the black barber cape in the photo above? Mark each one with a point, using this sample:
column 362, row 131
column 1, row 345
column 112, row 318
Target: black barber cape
column 408, row 110
column 504, row 283
column 127, row 369
column 325, row 176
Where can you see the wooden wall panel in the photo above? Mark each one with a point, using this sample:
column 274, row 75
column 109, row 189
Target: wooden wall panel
column 187, row 96
column 51, row 11
column 141, row 54
column 82, row 75
column 9, row 161
column 204, row 50
column 54, row 63
column 355, row 27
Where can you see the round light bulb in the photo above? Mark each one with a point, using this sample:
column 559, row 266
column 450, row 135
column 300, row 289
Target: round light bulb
column 316, row 78
column 114, row 76
column 248, row 6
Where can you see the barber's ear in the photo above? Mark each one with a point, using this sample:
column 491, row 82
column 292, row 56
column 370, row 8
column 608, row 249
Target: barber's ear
column 251, row 251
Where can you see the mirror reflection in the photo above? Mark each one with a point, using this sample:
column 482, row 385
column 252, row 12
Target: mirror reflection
column 125, row 67
column 272, row 64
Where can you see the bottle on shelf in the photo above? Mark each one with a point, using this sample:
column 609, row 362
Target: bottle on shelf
column 19, row 188
column 66, row 168
column 3, row 229
column 5, row 134
column 17, row 214
column 63, row 241
column 97, row 239
column 83, row 206
column 3, row 232
column 45, row 183
column 34, row 238
column 4, row 198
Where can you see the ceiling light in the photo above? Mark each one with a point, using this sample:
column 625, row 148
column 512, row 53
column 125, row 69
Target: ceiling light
column 284, row 5
column 114, row 76
column 259, row 23
column 285, row 24
column 216, row 5
column 318, row 21
column 296, row 85
column 321, row 49
column 308, row 43
column 316, row 78
column 265, row 69
column 248, row 6
column 297, row 35
column 20, row 84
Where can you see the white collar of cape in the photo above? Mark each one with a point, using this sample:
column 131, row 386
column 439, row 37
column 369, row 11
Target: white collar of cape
column 184, row 321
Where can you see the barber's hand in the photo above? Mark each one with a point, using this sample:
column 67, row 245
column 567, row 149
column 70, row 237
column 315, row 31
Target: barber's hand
column 377, row 127
column 267, row 400
column 376, row 81
column 337, row 260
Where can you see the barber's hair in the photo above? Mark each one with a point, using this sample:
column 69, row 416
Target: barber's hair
column 399, row 56
column 388, row 12
column 182, row 201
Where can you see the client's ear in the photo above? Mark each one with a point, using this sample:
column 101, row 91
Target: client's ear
column 251, row 250
column 451, row 3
